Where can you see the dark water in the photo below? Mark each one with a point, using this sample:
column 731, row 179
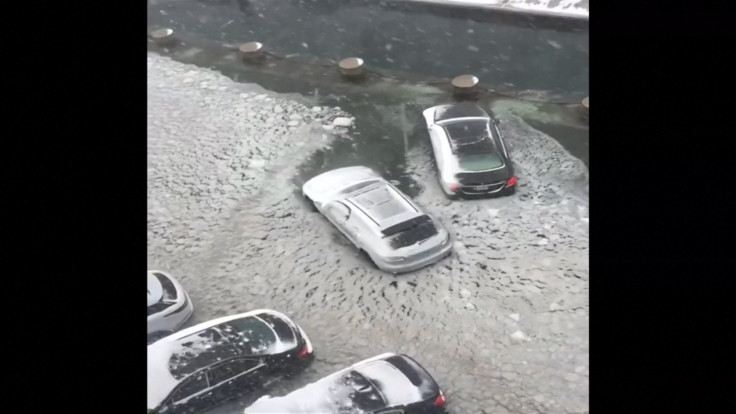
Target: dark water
column 526, row 52
column 410, row 42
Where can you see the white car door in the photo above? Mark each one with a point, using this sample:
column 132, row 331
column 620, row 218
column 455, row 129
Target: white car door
column 436, row 134
column 338, row 213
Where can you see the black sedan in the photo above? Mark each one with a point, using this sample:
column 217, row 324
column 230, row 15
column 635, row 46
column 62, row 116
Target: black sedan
column 472, row 157
column 215, row 361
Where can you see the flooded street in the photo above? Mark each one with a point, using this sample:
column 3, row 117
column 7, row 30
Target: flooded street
column 502, row 323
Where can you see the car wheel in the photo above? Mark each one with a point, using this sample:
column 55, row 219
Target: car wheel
column 312, row 207
column 368, row 257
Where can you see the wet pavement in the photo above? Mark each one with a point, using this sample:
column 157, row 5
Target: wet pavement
column 502, row 323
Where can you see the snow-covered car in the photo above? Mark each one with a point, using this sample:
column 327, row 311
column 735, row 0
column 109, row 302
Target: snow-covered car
column 471, row 154
column 378, row 218
column 212, row 362
column 385, row 384
column 169, row 306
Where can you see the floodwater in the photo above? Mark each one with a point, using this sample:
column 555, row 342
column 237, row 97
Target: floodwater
column 541, row 56
column 502, row 323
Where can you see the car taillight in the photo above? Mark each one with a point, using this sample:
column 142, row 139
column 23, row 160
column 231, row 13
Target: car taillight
column 453, row 186
column 511, row 181
column 439, row 400
column 302, row 352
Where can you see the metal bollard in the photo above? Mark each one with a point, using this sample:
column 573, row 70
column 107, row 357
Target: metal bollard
column 252, row 52
column 465, row 86
column 352, row 68
column 163, row 37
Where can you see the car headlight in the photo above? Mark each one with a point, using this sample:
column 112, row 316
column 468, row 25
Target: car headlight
column 395, row 258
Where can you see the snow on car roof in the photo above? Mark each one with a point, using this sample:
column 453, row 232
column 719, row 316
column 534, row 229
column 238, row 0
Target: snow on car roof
column 321, row 396
column 384, row 205
column 459, row 110
column 393, row 384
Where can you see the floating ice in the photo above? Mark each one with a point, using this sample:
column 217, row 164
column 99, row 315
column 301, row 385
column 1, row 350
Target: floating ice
column 343, row 122
column 519, row 336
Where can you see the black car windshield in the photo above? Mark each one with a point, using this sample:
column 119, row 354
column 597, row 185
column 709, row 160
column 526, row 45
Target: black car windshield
column 411, row 231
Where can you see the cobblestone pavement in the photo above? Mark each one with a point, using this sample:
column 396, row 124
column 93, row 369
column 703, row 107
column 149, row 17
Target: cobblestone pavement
column 502, row 323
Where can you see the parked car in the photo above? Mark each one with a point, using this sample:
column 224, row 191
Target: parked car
column 378, row 218
column 471, row 154
column 385, row 384
column 169, row 306
column 215, row 361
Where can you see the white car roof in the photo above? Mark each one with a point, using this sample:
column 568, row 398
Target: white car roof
column 384, row 205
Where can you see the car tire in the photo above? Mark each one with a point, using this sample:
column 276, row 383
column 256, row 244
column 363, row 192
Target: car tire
column 312, row 207
column 368, row 257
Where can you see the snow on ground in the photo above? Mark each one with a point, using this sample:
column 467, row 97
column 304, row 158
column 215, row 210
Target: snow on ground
column 572, row 8
column 502, row 324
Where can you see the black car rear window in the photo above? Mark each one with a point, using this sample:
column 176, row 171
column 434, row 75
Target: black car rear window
column 283, row 330
column 158, row 307
column 167, row 286
column 416, row 374
column 411, row 232
column 405, row 225
column 362, row 392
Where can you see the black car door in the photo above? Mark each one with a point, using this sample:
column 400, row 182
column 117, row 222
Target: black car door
column 234, row 377
column 191, row 395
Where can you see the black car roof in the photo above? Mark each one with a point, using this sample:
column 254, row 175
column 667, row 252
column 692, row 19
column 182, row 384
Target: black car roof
column 470, row 137
column 215, row 344
column 201, row 350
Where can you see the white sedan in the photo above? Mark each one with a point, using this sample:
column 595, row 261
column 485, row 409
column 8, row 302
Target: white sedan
column 169, row 306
